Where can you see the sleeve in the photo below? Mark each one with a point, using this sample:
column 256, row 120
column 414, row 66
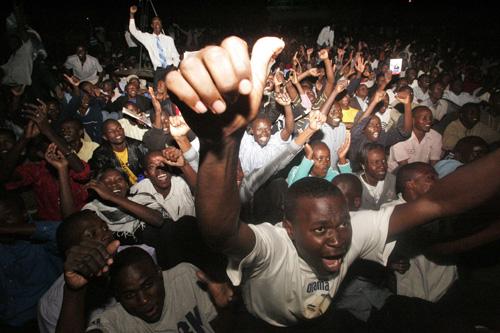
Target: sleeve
column 369, row 233
column 175, row 54
column 266, row 242
column 257, row 177
column 98, row 65
column 139, row 35
column 193, row 158
column 357, row 128
column 345, row 168
column 300, row 172
column 396, row 133
column 67, row 63
column 399, row 153
column 81, row 176
column 450, row 137
column 107, row 322
column 45, row 231
column 437, row 147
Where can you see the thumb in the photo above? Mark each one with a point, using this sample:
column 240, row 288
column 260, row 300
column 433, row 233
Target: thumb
column 113, row 247
column 264, row 50
column 203, row 277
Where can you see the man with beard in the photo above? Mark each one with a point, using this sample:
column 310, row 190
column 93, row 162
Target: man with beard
column 424, row 145
column 379, row 186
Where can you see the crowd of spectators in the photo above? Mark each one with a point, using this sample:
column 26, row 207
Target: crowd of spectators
column 156, row 184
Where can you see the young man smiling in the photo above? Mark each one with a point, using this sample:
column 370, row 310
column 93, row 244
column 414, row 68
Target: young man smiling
column 291, row 271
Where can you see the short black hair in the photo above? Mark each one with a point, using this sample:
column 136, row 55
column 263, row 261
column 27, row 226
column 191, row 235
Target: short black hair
column 68, row 232
column 368, row 147
column 74, row 121
column 351, row 181
column 310, row 187
column 128, row 257
column 408, row 172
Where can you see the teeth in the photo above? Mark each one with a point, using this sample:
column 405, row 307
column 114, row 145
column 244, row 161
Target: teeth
column 336, row 119
column 162, row 177
column 116, row 191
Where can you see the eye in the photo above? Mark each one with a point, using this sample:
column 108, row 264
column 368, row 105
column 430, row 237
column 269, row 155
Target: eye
column 128, row 295
column 319, row 230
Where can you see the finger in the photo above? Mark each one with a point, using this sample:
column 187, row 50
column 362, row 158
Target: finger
column 179, row 87
column 202, row 277
column 113, row 247
column 237, row 50
column 42, row 103
column 196, row 74
column 263, row 52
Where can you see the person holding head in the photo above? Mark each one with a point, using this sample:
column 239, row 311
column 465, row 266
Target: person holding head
column 148, row 299
column 118, row 151
column 161, row 48
column 84, row 66
column 467, row 124
column 424, row 145
column 310, row 252
column 170, row 191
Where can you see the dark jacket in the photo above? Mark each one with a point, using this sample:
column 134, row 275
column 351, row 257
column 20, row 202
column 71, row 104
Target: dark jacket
column 143, row 103
column 104, row 157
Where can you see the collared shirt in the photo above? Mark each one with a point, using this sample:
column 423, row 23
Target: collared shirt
column 253, row 156
column 456, row 130
column 439, row 109
column 149, row 41
column 27, row 270
column 460, row 99
column 88, row 71
column 363, row 103
column 429, row 149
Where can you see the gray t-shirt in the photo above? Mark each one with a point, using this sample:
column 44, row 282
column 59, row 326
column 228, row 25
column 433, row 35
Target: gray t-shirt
column 187, row 308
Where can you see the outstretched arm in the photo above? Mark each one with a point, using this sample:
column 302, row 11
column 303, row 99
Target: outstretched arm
column 463, row 189
column 212, row 73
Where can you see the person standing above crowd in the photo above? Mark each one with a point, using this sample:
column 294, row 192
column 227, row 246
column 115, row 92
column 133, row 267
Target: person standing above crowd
column 161, row 48
column 84, row 66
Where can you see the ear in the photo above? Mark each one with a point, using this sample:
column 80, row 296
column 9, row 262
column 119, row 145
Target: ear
column 250, row 131
column 289, row 228
column 357, row 202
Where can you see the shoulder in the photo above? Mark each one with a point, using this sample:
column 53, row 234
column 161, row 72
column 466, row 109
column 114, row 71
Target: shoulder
column 434, row 135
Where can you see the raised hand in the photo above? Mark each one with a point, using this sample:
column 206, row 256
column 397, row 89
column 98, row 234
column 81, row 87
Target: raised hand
column 342, row 151
column 88, row 259
column 404, row 97
column 282, row 99
column 308, row 151
column 316, row 120
column 73, row 80
column 133, row 10
column 224, row 80
column 340, row 86
column 360, row 64
column 293, row 77
column 323, row 54
column 173, row 157
column 102, row 190
column 178, row 126
column 31, row 130
column 222, row 293
column 378, row 96
column 314, row 72
column 38, row 114
column 55, row 158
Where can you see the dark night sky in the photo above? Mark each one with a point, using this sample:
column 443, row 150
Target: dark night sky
column 478, row 23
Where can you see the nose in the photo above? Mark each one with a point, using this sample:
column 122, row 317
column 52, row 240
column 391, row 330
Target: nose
column 142, row 297
column 333, row 238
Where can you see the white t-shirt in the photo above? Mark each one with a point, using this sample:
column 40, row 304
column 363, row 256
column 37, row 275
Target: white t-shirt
column 187, row 308
column 179, row 201
column 282, row 289
column 375, row 191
